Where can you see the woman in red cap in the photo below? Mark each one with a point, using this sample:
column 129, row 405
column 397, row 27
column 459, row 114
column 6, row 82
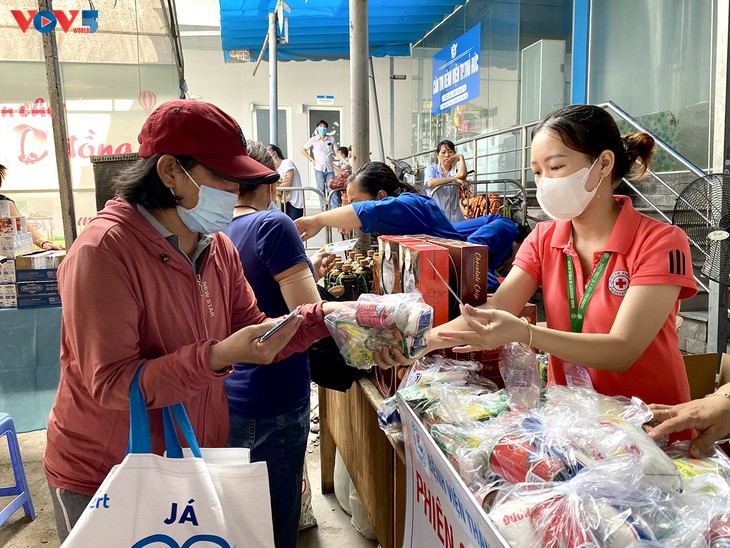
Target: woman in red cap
column 151, row 281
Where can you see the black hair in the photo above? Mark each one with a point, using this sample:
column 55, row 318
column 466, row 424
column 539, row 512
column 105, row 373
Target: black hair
column 447, row 143
column 140, row 184
column 3, row 172
column 376, row 176
column 258, row 152
column 343, row 151
column 278, row 151
column 590, row 129
column 523, row 230
column 322, row 123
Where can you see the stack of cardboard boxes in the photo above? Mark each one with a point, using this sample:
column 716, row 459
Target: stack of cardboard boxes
column 409, row 263
column 14, row 240
column 27, row 279
column 35, row 276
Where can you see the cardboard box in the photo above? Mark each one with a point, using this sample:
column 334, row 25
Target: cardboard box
column 40, row 260
column 40, row 275
column 389, row 278
column 7, row 272
column 39, row 266
column 13, row 225
column 12, row 245
column 39, row 301
column 724, row 376
column 467, row 272
column 703, row 374
column 417, row 274
column 37, row 288
column 8, row 296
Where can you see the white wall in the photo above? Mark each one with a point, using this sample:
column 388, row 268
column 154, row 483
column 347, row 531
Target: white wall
column 234, row 88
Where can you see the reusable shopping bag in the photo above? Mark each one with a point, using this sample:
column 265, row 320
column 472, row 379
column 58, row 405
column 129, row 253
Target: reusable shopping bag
column 176, row 501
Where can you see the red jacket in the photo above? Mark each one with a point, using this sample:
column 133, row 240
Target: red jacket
column 129, row 297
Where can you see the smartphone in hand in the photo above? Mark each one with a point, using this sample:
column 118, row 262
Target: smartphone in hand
column 289, row 317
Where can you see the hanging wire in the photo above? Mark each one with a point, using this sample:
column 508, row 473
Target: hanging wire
column 139, row 60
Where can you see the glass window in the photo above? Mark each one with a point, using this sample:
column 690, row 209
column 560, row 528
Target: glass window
column 654, row 60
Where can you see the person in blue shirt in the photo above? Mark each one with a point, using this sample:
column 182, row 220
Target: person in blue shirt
column 269, row 405
column 439, row 178
column 380, row 203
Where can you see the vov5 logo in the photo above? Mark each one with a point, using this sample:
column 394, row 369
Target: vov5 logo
column 47, row 21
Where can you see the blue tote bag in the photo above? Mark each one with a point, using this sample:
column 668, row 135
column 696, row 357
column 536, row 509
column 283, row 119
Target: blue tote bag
column 187, row 499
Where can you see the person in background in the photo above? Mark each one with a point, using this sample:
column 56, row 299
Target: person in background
column 151, row 282
column 290, row 178
column 709, row 417
column 450, row 168
column 612, row 278
column 343, row 172
column 322, row 157
column 38, row 239
column 380, row 203
column 343, row 160
column 268, row 415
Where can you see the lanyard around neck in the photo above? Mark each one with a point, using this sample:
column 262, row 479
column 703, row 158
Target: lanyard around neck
column 577, row 312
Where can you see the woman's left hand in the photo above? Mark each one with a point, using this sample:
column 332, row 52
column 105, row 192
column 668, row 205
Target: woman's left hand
column 387, row 357
column 48, row 246
column 322, row 261
column 488, row 329
column 308, row 227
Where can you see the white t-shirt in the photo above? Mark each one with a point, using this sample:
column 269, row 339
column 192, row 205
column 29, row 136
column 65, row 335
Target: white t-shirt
column 294, row 198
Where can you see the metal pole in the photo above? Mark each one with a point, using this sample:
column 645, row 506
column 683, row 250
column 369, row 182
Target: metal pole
column 391, row 146
column 717, row 307
column 374, row 90
column 60, row 134
column 273, row 83
column 359, row 106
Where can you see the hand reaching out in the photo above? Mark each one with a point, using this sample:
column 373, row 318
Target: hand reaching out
column 710, row 417
column 322, row 261
column 487, row 329
column 308, row 227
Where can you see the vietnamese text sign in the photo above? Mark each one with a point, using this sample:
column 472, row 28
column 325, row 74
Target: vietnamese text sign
column 440, row 511
column 455, row 77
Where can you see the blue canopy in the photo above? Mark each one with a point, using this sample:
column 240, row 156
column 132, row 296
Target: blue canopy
column 319, row 29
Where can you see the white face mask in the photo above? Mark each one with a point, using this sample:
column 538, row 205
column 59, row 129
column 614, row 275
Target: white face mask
column 564, row 198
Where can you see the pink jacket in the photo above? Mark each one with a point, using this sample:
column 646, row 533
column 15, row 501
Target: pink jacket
column 129, row 298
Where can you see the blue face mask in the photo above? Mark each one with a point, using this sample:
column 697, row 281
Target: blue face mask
column 213, row 211
column 322, row 130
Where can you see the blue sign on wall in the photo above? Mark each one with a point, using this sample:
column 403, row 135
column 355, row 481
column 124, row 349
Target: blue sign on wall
column 456, row 72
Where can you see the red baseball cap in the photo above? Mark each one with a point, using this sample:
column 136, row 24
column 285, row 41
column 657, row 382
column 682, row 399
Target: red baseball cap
column 185, row 127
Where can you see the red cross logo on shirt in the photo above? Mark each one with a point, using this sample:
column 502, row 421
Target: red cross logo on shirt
column 619, row 283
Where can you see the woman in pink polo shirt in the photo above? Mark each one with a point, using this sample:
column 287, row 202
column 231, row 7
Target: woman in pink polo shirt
column 611, row 277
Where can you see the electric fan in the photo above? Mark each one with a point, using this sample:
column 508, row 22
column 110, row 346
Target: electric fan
column 703, row 212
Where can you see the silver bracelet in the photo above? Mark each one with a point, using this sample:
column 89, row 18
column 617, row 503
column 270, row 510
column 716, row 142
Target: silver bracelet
column 718, row 395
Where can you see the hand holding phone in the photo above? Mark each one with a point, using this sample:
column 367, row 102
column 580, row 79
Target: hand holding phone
column 289, row 317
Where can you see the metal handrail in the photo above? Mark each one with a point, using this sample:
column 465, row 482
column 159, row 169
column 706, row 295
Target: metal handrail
column 320, row 195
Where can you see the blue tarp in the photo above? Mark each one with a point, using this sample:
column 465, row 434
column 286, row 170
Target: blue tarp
column 319, row 29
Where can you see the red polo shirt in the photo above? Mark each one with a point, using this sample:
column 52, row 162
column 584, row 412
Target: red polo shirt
column 643, row 252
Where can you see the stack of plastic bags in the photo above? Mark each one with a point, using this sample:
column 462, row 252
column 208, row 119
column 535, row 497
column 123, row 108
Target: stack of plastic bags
column 565, row 467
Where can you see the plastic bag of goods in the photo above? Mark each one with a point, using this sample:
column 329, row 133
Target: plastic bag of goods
column 518, row 367
column 400, row 320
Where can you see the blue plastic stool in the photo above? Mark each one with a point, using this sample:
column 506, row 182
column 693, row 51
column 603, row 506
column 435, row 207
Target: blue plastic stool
column 7, row 427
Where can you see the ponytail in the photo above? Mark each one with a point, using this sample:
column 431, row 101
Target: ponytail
column 590, row 129
column 637, row 146
column 376, row 176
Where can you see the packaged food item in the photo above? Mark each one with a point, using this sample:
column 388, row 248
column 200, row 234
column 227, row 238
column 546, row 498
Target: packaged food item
column 408, row 318
column 518, row 367
column 718, row 533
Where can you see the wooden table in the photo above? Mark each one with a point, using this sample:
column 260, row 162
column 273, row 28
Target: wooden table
column 375, row 461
